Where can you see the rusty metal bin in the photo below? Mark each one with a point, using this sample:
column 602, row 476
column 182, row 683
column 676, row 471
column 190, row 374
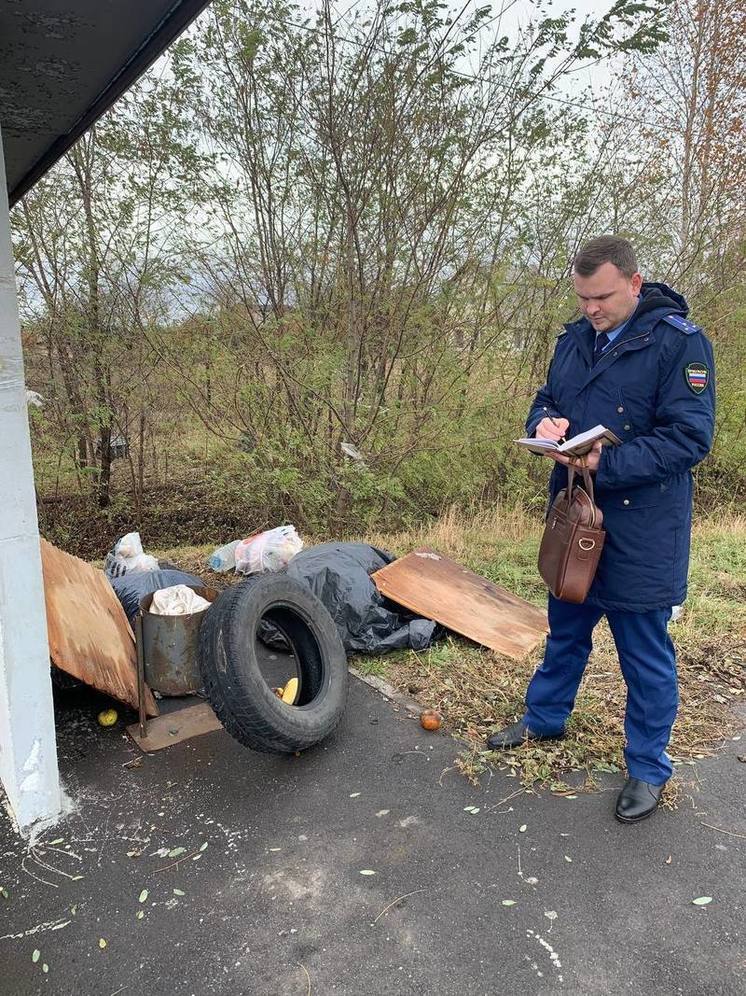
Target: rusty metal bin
column 170, row 647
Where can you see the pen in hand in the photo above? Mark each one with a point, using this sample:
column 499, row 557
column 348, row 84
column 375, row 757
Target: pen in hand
column 562, row 438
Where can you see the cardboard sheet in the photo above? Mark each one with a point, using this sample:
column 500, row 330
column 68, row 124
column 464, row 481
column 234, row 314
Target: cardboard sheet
column 89, row 636
column 433, row 586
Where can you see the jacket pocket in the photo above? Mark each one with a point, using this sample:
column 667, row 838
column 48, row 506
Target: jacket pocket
column 642, row 496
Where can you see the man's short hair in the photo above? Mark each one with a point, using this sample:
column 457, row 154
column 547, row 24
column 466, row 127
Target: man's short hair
column 605, row 249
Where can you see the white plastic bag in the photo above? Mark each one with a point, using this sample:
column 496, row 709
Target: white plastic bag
column 127, row 557
column 178, row 600
column 268, row 551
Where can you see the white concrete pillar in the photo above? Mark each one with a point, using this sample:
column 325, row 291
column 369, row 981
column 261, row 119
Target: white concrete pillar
column 28, row 748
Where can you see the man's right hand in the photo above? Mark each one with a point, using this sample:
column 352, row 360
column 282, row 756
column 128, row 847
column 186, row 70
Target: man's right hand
column 548, row 429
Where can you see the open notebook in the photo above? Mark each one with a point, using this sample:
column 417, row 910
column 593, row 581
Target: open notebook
column 576, row 445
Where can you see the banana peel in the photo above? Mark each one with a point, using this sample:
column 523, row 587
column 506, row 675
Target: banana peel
column 290, row 691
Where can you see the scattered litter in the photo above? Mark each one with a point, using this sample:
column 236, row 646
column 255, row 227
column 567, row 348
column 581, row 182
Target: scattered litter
column 36, row 955
column 140, row 914
column 383, row 812
column 668, row 860
column 178, row 892
column 354, row 795
column 522, row 828
column 101, row 943
column 143, row 896
column 203, row 847
column 174, row 852
column 367, row 871
column 45, row 968
column 702, row 901
column 508, row 902
column 471, row 809
column 568, row 858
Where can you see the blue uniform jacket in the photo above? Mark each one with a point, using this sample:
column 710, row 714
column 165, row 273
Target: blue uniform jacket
column 655, row 388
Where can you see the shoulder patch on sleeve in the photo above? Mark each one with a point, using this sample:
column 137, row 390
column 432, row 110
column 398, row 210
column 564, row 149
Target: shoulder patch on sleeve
column 682, row 324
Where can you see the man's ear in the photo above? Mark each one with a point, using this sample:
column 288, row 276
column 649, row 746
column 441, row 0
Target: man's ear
column 636, row 283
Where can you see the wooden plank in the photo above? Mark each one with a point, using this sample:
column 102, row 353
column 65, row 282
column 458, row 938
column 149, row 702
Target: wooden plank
column 89, row 635
column 173, row 727
column 437, row 588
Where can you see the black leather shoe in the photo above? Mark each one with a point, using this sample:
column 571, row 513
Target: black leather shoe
column 517, row 734
column 637, row 800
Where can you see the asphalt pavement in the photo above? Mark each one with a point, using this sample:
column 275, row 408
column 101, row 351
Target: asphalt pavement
column 368, row 865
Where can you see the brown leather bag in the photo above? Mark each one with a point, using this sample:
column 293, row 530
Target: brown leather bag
column 573, row 540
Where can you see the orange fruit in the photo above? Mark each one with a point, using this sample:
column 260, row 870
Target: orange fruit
column 430, row 719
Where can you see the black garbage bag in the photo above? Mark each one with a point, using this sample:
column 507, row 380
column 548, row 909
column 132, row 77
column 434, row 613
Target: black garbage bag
column 339, row 575
column 132, row 587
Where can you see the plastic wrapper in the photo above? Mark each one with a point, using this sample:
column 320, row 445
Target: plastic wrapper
column 177, row 600
column 268, row 551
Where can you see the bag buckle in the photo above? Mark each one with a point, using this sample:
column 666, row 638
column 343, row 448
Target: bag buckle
column 586, row 544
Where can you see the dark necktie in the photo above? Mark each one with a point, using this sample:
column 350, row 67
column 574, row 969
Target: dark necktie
column 602, row 341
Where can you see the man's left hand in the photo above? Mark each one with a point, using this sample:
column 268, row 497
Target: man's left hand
column 591, row 458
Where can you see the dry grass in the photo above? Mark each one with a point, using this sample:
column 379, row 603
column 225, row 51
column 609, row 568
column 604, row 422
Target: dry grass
column 478, row 691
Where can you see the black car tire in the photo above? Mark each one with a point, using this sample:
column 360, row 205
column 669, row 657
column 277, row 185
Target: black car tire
column 234, row 684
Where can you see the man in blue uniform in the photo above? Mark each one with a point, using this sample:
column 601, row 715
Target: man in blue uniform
column 636, row 364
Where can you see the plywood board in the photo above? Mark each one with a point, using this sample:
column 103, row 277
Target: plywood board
column 175, row 727
column 437, row 588
column 89, row 635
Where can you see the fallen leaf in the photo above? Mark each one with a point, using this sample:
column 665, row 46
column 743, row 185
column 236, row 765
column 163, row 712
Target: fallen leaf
column 568, row 859
column 4, row 892
column 101, row 943
column 522, row 828
column 175, row 852
column 550, row 914
column 60, row 840
column 140, row 914
column 383, row 812
column 45, row 968
column 354, row 795
column 508, row 902
column 367, row 871
column 204, row 846
column 178, row 892
column 143, row 896
column 702, row 900
column 36, row 955
column 668, row 860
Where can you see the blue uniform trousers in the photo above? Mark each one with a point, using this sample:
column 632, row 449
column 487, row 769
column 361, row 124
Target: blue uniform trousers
column 648, row 662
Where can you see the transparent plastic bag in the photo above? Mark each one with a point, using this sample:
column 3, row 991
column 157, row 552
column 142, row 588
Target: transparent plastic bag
column 268, row 551
column 127, row 557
